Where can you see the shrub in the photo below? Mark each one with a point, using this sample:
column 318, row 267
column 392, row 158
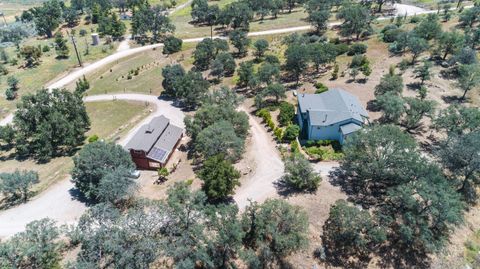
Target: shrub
column 341, row 48
column 335, row 71
column 403, row 64
column 415, row 19
column 10, row 94
column 93, row 138
column 358, row 61
column 264, row 114
column 46, row 48
column 83, row 32
column 320, row 87
column 292, row 132
column 278, row 132
column 294, row 147
column 287, row 112
column 357, row 48
column 271, row 124
column 3, row 70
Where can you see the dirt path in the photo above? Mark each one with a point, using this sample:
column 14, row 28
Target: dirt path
column 409, row 10
column 268, row 167
column 57, row 201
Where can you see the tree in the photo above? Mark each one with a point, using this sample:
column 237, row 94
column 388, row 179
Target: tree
column 191, row 89
column 172, row 45
column 376, row 158
column 350, row 233
column 116, row 185
column 78, row 5
column 296, row 60
column 268, row 72
column 299, row 174
column 429, row 28
column 469, row 16
column 161, row 24
column 61, row 128
column 219, row 138
column 221, row 110
column 223, row 65
column 319, row 19
column 392, row 107
column 380, row 3
column 273, row 231
column 47, row 17
column 276, row 90
column 16, row 185
column 417, row 46
column 219, row 178
column 31, row 55
column 61, row 46
column 240, row 41
column 38, row 246
column 246, row 75
column 71, row 17
column 356, row 20
column 423, row 72
column 238, row 15
column 96, row 168
column 416, row 110
column 12, row 83
column 457, row 120
column 111, row 25
column 287, row 113
column 81, row 86
column 261, row 46
column 468, row 77
column 390, row 82
column 170, row 74
column 204, row 53
column 321, row 54
column 291, row 132
column 7, row 135
column 459, row 154
column 199, row 10
column 450, row 43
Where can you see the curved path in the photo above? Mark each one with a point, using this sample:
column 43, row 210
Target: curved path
column 57, row 202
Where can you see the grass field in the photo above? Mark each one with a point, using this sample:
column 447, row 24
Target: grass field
column 109, row 120
column 32, row 79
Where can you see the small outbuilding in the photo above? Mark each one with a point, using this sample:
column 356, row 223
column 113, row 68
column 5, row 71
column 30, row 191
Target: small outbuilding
column 331, row 115
column 152, row 146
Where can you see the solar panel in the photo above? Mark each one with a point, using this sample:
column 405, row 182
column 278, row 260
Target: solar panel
column 157, row 154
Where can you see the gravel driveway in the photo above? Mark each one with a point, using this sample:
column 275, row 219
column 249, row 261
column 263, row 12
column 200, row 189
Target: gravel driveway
column 57, row 202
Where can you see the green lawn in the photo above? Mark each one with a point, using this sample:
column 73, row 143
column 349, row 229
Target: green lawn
column 109, row 120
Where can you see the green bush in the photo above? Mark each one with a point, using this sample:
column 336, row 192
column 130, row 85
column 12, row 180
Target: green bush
column 278, row 132
column 83, row 32
column 10, row 94
column 287, row 113
column 357, row 48
column 271, row 124
column 320, row 87
column 341, row 48
column 291, row 133
column 294, row 147
column 46, row 48
column 264, row 114
column 93, row 138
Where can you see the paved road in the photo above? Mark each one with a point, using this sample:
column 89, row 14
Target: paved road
column 56, row 202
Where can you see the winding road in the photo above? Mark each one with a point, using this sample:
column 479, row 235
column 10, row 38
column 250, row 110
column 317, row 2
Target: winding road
column 57, row 202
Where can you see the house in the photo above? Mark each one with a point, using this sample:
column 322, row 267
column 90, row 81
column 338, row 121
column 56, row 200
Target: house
column 152, row 146
column 331, row 115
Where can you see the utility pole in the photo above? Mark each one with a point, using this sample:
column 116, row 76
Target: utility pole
column 76, row 50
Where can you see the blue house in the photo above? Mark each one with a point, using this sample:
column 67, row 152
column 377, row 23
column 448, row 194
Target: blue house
column 331, row 115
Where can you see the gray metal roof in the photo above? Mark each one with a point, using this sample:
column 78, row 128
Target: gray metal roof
column 330, row 107
column 148, row 134
column 165, row 144
column 349, row 128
